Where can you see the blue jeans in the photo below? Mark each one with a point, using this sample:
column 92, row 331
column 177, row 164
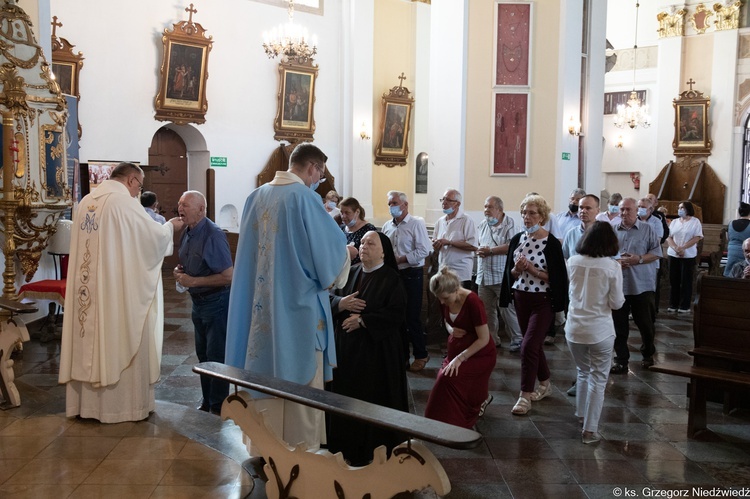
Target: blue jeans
column 413, row 280
column 210, row 323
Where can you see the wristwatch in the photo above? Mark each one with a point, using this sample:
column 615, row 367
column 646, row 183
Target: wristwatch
column 640, row 259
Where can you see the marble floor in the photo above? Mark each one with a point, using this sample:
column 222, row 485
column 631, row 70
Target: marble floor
column 183, row 453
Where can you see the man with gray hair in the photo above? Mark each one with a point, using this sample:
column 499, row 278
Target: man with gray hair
column 569, row 219
column 110, row 354
column 495, row 232
column 411, row 245
column 206, row 269
column 455, row 238
column 639, row 251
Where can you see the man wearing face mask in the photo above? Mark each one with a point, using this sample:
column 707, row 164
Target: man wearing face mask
column 290, row 253
column 569, row 219
column 112, row 330
column 612, row 215
column 455, row 238
column 411, row 245
column 646, row 214
column 495, row 232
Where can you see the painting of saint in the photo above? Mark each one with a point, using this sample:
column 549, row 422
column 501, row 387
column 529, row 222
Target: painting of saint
column 395, row 125
column 185, row 69
column 691, row 124
column 297, row 90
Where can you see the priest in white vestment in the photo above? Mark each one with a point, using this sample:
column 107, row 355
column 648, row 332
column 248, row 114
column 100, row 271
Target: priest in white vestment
column 113, row 323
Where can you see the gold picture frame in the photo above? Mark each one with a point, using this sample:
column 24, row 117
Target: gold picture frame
column 395, row 119
column 181, row 98
column 691, row 123
column 295, row 117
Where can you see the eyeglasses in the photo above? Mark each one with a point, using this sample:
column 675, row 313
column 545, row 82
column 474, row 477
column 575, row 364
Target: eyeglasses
column 529, row 213
column 447, row 200
column 140, row 184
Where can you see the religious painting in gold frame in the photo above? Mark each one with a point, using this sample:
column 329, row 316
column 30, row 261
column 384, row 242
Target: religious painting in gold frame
column 66, row 65
column 295, row 118
column 181, row 98
column 692, row 127
column 395, row 118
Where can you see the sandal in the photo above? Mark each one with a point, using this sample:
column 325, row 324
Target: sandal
column 523, row 406
column 541, row 392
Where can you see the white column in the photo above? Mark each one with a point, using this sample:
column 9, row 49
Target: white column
column 723, row 99
column 568, row 102
column 357, row 54
column 418, row 202
column 594, row 112
column 447, row 126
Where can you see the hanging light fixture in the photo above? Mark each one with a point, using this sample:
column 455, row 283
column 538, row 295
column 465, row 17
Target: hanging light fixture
column 634, row 113
column 290, row 41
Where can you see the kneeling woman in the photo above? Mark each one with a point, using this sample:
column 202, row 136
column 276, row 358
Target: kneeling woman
column 462, row 382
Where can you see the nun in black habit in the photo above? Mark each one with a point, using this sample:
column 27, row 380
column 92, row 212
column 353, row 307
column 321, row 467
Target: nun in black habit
column 369, row 314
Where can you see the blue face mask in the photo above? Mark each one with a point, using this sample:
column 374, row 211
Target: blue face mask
column 447, row 211
column 642, row 212
column 491, row 220
column 315, row 185
column 331, row 204
column 614, row 209
column 352, row 223
column 395, row 211
column 681, row 212
column 532, row 229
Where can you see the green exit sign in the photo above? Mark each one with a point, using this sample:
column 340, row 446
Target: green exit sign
column 565, row 156
column 218, row 161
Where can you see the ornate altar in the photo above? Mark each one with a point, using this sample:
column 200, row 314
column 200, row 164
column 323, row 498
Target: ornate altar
column 34, row 165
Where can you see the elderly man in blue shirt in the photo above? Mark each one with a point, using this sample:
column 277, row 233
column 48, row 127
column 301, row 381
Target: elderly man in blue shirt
column 639, row 252
column 205, row 269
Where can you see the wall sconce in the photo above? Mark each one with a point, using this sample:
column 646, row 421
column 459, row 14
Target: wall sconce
column 363, row 133
column 618, row 143
column 574, row 127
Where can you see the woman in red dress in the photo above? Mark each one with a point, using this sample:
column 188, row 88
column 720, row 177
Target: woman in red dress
column 462, row 382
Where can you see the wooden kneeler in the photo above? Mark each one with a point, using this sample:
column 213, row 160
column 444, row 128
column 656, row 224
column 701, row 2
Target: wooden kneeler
column 297, row 472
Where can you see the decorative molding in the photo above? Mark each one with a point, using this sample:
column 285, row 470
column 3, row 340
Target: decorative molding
column 727, row 15
column 671, row 23
column 701, row 19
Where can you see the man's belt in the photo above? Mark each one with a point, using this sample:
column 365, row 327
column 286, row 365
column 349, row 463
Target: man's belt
column 209, row 292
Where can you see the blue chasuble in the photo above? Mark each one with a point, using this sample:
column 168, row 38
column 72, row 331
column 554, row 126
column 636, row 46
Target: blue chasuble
column 290, row 252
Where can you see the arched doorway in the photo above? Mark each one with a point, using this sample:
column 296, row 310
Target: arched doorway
column 167, row 175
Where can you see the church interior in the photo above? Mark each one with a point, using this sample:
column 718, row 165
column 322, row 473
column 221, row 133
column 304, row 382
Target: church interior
column 490, row 97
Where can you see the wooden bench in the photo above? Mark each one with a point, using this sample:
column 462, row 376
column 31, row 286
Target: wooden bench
column 712, row 248
column 411, row 466
column 721, row 355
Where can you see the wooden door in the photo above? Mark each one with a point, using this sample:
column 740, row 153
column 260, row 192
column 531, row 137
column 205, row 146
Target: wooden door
column 166, row 175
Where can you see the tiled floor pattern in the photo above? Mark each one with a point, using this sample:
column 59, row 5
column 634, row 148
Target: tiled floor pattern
column 179, row 452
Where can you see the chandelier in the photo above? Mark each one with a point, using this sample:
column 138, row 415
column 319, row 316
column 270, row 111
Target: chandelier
column 634, row 113
column 290, row 41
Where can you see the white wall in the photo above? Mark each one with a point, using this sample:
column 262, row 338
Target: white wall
column 120, row 77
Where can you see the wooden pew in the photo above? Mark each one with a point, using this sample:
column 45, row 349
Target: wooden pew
column 712, row 248
column 721, row 356
column 292, row 471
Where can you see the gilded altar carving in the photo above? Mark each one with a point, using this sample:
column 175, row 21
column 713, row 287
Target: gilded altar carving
column 701, row 19
column 671, row 23
column 727, row 15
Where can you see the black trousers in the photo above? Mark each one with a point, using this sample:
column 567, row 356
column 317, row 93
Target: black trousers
column 643, row 308
column 681, row 282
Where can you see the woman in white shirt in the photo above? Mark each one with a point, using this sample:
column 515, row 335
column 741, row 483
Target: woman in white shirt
column 684, row 234
column 595, row 290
